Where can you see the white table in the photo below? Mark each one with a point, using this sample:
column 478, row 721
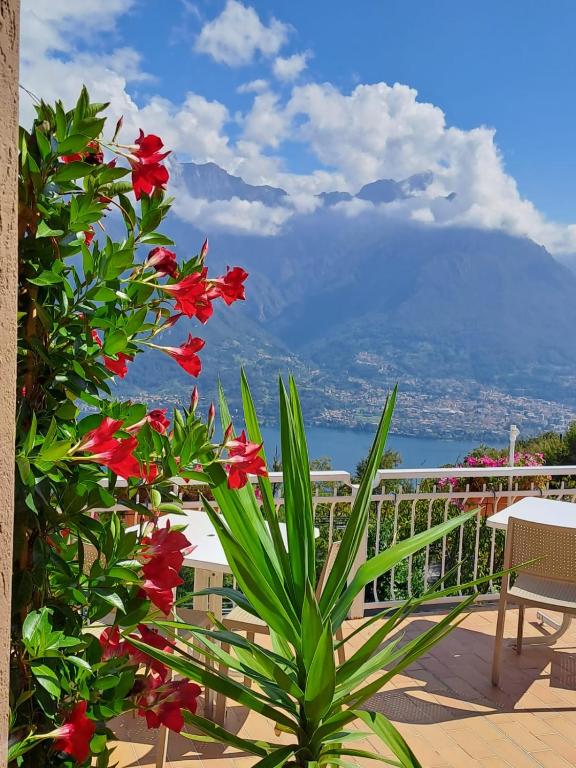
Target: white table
column 551, row 512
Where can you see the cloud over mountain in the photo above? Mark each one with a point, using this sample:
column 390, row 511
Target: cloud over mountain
column 354, row 137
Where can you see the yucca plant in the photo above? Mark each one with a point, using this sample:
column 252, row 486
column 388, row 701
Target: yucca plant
column 298, row 685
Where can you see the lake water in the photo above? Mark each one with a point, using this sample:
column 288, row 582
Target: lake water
column 346, row 447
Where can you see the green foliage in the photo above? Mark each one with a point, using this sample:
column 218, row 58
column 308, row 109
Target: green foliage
column 298, row 685
column 83, row 304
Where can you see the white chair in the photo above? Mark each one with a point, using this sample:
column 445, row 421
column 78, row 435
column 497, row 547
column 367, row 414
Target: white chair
column 548, row 580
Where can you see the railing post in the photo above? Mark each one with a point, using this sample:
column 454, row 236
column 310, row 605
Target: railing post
column 357, row 607
column 514, row 432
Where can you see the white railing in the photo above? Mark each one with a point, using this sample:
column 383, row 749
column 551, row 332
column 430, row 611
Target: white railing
column 406, row 501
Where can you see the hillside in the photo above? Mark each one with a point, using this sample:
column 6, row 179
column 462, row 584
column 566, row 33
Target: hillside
column 353, row 302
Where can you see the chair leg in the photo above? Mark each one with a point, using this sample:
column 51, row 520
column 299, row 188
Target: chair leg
column 497, row 658
column 220, row 708
column 251, row 637
column 520, row 634
column 161, row 747
column 341, row 650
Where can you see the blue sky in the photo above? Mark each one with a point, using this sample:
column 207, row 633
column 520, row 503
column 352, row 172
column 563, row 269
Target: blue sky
column 507, row 66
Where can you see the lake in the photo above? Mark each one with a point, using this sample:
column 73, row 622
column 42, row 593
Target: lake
column 346, row 447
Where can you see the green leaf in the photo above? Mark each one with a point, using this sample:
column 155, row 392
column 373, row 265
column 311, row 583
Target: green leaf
column 47, row 678
column 221, row 735
column 276, row 758
column 321, row 680
column 73, row 144
column 71, row 171
column 115, row 342
column 103, row 293
column 46, row 278
column 45, row 231
column 56, row 451
column 155, row 238
column 43, row 144
column 358, row 518
column 390, row 736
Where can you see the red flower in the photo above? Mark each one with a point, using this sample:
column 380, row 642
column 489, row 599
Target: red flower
column 75, row 158
column 191, row 295
column 118, row 366
column 75, row 735
column 111, row 644
column 94, row 154
column 118, row 456
column 230, row 286
column 185, row 355
column 204, row 250
column 89, row 235
column 163, row 261
column 164, row 555
column 96, row 337
column 154, row 638
column 244, row 458
column 157, row 420
column 101, row 436
column 149, row 472
column 147, row 172
column 162, row 704
column 194, row 399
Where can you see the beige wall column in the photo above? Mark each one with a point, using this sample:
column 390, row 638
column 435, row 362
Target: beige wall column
column 9, row 33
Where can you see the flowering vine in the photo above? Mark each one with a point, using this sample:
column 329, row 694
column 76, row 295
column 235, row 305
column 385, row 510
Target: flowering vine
column 87, row 581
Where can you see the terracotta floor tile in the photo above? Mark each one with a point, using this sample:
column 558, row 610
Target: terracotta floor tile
column 443, row 704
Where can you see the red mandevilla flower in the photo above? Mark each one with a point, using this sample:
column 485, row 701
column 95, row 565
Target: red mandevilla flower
column 118, row 366
column 112, row 645
column 113, row 453
column 163, row 261
column 229, row 287
column 75, row 735
column 75, row 158
column 157, row 420
column 185, row 355
column 153, row 638
column 148, row 173
column 162, row 703
column 94, row 154
column 191, row 295
column 89, row 236
column 164, row 555
column 244, row 458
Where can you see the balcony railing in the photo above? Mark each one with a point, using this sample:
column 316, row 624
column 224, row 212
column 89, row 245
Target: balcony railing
column 406, row 501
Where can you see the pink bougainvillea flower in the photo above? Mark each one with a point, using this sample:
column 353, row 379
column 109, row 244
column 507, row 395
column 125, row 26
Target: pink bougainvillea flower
column 163, row 261
column 162, row 703
column 185, row 355
column 111, row 643
column 191, row 295
column 75, row 734
column 229, row 287
column 244, row 459
column 89, row 235
column 118, row 366
column 148, row 173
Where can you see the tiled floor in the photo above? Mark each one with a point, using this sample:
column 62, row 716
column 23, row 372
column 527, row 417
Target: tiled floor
column 445, row 706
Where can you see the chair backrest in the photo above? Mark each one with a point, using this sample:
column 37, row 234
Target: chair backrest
column 551, row 547
column 327, row 567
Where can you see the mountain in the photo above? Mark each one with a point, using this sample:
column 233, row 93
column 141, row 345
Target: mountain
column 211, row 182
column 352, row 304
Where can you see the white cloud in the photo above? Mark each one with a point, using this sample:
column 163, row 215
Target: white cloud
column 375, row 131
column 290, row 68
column 237, row 35
column 234, row 215
column 254, row 86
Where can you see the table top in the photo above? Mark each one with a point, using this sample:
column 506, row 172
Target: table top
column 208, row 554
column 536, row 510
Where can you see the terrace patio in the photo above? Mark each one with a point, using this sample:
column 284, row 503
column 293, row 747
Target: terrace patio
column 445, row 706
